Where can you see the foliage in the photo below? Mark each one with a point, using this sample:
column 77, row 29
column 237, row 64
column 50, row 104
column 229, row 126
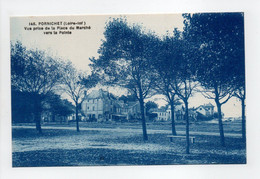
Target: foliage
column 219, row 42
column 75, row 84
column 165, row 66
column 218, row 38
column 71, row 82
column 124, row 57
column 179, row 76
column 148, row 106
column 151, row 105
column 57, row 106
column 90, row 81
column 34, row 72
column 22, row 106
column 125, row 60
column 127, row 98
column 201, row 117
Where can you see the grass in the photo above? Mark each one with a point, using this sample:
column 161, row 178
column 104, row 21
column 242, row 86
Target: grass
column 233, row 127
column 60, row 147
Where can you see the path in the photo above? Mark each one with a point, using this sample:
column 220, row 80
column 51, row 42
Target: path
column 124, row 130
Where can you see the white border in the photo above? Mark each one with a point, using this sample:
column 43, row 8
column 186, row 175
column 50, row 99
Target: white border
column 77, row 7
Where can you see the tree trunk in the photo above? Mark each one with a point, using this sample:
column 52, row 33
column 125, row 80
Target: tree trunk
column 53, row 117
column 38, row 122
column 173, row 120
column 220, row 124
column 77, row 117
column 187, row 127
column 243, row 120
column 145, row 137
column 37, row 113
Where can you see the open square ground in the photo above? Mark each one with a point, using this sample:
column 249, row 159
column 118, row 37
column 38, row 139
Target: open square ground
column 122, row 144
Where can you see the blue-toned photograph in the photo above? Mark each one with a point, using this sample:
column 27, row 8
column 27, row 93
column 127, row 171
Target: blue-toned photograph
column 124, row 90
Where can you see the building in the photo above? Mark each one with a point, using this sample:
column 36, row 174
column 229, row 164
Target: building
column 165, row 114
column 127, row 111
column 162, row 115
column 206, row 110
column 98, row 105
column 179, row 112
column 102, row 106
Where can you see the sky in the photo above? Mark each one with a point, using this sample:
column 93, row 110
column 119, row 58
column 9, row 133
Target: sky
column 81, row 45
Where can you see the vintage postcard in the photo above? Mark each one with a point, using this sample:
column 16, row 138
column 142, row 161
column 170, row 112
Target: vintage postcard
column 113, row 90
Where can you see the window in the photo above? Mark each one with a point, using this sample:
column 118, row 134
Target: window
column 93, row 108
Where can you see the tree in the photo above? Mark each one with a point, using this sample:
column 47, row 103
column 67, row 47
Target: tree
column 185, row 80
column 175, row 72
column 124, row 61
column 57, row 106
column 22, row 106
column 239, row 76
column 75, row 85
column 218, row 40
column 128, row 98
column 240, row 93
column 34, row 72
column 165, row 66
column 150, row 105
column 66, row 109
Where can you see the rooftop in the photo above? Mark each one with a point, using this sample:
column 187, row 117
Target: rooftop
column 99, row 94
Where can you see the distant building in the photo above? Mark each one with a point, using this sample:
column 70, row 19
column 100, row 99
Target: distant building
column 206, row 110
column 165, row 114
column 103, row 106
column 72, row 117
column 128, row 110
column 98, row 105
column 162, row 115
column 179, row 113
